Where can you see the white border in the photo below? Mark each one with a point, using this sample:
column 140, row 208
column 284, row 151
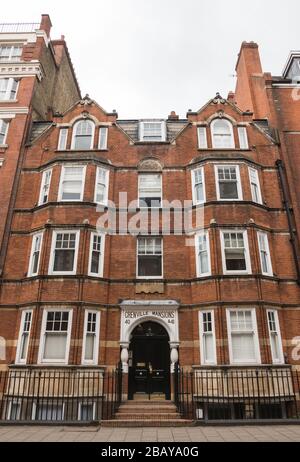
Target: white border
column 62, row 176
column 238, row 177
column 201, row 336
column 41, row 360
column 34, row 236
column 51, row 261
column 255, row 336
column 101, row 264
column 43, row 184
column 281, row 358
column 269, row 262
column 202, row 233
column 94, row 361
column 21, row 330
column 195, row 202
column 248, row 269
column 74, row 132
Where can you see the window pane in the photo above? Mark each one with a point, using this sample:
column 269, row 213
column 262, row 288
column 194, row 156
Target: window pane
column 243, row 347
column 49, row 412
column 208, row 344
column 149, row 266
column 87, row 411
column 228, row 190
column 55, row 346
column 89, row 347
column 64, row 260
column 235, row 260
column 95, row 262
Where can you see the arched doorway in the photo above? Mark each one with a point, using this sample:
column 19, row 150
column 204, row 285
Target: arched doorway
column 149, row 361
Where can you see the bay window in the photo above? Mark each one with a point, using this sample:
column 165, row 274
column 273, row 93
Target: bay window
column 149, row 257
column 243, row 336
column 55, row 336
column 10, row 52
column 64, row 252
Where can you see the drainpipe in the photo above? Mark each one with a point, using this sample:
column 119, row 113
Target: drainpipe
column 288, row 210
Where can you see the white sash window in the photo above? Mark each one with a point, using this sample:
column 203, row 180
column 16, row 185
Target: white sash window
column 3, row 131
column 72, row 183
column 83, row 135
column 243, row 337
column 64, row 252
column 235, row 252
column 91, row 337
column 255, row 186
column 275, row 337
column 150, row 190
column 101, row 187
column 207, row 338
column 55, row 336
column 198, row 186
column 96, row 255
column 103, row 132
column 35, row 254
column 228, row 182
column 202, row 137
column 10, row 52
column 8, row 89
column 243, row 138
column 62, row 140
column 149, row 264
column 202, row 254
column 24, row 334
column 264, row 253
column 45, row 187
column 222, row 134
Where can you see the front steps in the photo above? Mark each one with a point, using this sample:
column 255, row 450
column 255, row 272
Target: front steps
column 147, row 414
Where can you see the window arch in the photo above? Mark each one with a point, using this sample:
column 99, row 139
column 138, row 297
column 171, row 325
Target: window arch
column 222, row 134
column 83, row 134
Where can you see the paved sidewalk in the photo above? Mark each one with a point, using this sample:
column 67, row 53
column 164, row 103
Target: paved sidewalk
column 289, row 433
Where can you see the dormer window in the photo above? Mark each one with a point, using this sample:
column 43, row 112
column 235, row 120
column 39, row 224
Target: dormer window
column 152, row 130
column 222, row 134
column 294, row 70
column 83, row 135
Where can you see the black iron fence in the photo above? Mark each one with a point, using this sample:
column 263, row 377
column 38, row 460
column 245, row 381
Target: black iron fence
column 237, row 394
column 59, row 395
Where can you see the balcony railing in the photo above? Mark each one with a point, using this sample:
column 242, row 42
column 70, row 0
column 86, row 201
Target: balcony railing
column 19, row 27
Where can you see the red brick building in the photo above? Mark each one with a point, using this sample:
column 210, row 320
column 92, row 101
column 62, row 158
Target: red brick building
column 221, row 296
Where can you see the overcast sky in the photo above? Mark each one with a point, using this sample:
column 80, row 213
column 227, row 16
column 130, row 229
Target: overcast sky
column 145, row 58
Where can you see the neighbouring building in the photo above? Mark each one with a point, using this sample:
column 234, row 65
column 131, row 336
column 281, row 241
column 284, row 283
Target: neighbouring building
column 221, row 298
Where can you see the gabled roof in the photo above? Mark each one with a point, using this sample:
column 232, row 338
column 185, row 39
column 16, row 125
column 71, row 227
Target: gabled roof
column 218, row 99
column 87, row 101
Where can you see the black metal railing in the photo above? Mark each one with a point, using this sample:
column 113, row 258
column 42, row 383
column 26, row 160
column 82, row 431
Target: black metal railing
column 54, row 396
column 237, row 394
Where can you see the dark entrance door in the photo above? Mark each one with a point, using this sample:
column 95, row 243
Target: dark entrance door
column 149, row 367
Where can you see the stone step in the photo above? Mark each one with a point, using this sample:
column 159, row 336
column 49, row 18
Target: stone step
column 147, row 423
column 148, row 403
column 142, row 410
column 147, row 416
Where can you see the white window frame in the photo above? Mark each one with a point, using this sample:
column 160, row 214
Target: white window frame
column 12, row 46
column 279, row 360
column 197, row 235
column 202, row 135
column 20, row 338
column 41, row 352
column 62, row 139
column 140, row 175
column 52, row 256
column 6, row 122
column 269, row 272
column 246, row 247
column 238, row 179
column 33, row 242
column 103, row 137
column 47, row 403
column 194, row 195
column 106, row 185
column 89, row 403
column 62, row 179
column 203, row 360
column 142, row 130
column 162, row 258
column 257, row 183
column 101, row 264
column 94, row 361
column 231, row 134
column 43, row 184
column 74, row 135
column 9, row 88
column 255, row 337
column 243, row 137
